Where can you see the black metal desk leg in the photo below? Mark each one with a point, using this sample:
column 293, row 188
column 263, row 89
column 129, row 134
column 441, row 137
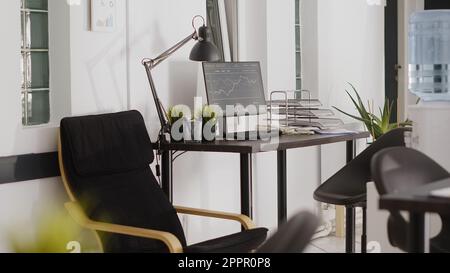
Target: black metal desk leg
column 166, row 173
column 282, row 187
column 351, row 150
column 416, row 233
column 350, row 220
column 350, row 230
column 246, row 185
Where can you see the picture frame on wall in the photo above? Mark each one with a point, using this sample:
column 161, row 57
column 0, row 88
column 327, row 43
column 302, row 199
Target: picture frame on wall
column 103, row 15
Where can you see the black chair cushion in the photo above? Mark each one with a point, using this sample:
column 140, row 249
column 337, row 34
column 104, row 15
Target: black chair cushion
column 106, row 144
column 242, row 242
column 106, row 159
column 349, row 194
column 348, row 186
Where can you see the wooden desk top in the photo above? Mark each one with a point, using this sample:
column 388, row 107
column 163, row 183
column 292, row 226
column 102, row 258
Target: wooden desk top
column 284, row 142
column 418, row 199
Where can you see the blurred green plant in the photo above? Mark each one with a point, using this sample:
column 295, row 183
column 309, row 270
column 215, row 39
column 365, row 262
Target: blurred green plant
column 376, row 125
column 209, row 114
column 175, row 113
column 55, row 232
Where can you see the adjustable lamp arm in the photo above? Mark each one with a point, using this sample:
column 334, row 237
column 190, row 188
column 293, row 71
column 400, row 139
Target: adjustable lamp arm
column 149, row 64
column 152, row 63
column 202, row 51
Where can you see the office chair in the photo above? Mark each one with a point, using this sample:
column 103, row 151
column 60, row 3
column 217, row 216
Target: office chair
column 398, row 169
column 348, row 186
column 104, row 162
column 293, row 236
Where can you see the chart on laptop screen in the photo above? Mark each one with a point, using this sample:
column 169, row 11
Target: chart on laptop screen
column 234, row 84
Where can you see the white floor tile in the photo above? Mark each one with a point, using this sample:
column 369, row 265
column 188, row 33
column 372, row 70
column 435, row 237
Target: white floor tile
column 333, row 244
column 312, row 249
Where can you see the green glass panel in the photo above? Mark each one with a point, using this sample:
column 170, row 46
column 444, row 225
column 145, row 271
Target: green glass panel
column 24, row 120
column 297, row 38
column 297, row 12
column 298, row 64
column 38, row 76
column 38, row 28
column 299, row 84
column 38, row 111
column 22, row 29
column 23, row 70
column 36, row 4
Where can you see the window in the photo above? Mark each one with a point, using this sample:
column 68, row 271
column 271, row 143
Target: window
column 35, row 62
column 298, row 44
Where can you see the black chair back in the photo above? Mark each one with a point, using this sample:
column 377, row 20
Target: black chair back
column 107, row 162
column 398, row 169
column 292, row 237
column 350, row 181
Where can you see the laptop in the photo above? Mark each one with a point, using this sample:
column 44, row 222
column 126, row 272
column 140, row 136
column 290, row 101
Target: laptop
column 237, row 88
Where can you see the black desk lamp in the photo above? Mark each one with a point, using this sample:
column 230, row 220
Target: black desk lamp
column 203, row 51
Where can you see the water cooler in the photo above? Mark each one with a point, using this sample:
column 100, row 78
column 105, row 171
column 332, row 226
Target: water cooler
column 429, row 73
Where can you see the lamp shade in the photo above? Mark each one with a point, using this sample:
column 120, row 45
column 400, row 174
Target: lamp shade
column 204, row 50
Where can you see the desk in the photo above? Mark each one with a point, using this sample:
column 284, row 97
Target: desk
column 245, row 149
column 417, row 202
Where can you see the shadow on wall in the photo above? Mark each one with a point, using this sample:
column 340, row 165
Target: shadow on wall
column 157, row 41
column 110, row 58
column 156, row 44
column 183, row 83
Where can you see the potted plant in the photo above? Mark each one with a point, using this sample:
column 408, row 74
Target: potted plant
column 174, row 115
column 376, row 125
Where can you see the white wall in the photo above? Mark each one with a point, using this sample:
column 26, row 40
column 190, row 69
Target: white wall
column 351, row 49
column 59, row 46
column 98, row 63
column 253, row 30
column 310, row 45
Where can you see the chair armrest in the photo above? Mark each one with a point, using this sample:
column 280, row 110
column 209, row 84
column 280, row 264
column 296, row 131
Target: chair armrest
column 245, row 221
column 170, row 240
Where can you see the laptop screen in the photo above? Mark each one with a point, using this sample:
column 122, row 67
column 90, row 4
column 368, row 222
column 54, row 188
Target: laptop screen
column 235, row 84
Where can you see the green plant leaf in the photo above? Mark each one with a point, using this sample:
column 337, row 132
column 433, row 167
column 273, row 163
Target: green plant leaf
column 350, row 115
column 376, row 125
column 364, row 113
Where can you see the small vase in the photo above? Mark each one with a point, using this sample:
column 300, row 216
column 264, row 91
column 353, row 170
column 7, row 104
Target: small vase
column 180, row 135
column 209, row 132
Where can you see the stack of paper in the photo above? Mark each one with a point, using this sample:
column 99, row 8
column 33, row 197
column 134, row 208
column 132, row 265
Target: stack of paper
column 305, row 113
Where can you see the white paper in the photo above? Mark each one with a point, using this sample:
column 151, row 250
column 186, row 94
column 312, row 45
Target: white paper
column 445, row 193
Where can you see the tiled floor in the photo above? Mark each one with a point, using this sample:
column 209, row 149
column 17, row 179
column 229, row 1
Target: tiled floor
column 333, row 244
column 329, row 245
